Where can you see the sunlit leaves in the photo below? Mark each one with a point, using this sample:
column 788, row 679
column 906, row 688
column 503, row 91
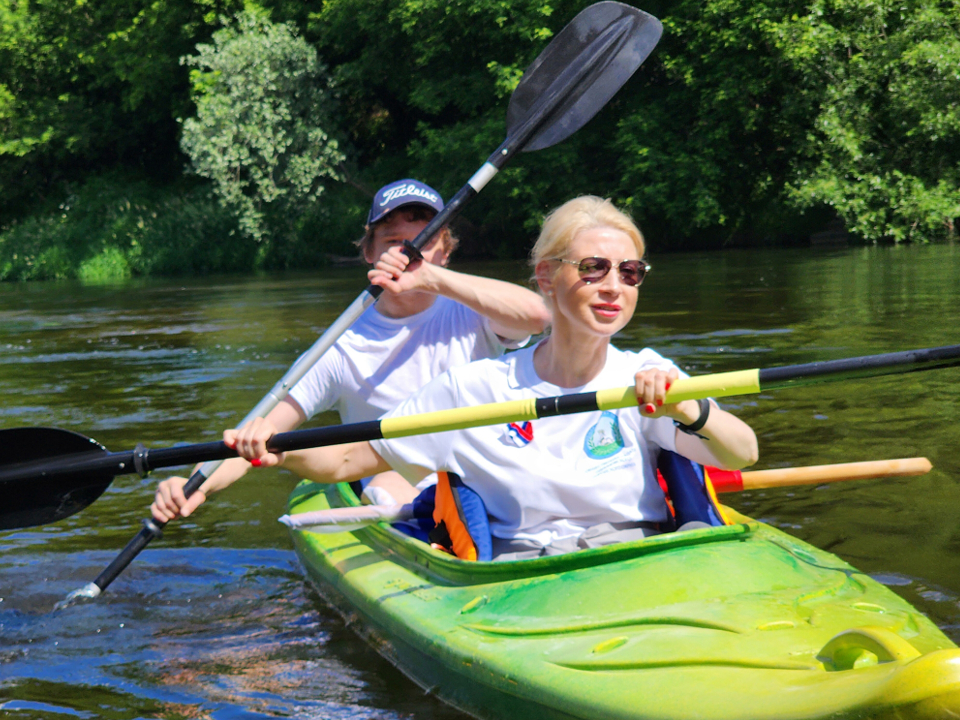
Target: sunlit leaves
column 404, row 64
column 261, row 132
column 704, row 152
column 884, row 150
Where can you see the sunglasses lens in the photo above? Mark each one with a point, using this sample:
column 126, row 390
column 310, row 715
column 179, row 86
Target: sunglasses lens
column 594, row 269
column 632, row 272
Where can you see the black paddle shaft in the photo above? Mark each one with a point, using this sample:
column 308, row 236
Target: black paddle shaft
column 54, row 489
column 66, row 465
column 867, row 366
column 77, row 456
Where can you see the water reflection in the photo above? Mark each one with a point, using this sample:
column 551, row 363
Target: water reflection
column 191, row 633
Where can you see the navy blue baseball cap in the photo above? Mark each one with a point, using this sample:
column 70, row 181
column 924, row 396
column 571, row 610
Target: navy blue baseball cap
column 400, row 193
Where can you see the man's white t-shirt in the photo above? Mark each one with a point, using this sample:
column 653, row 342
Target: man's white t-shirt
column 551, row 478
column 381, row 361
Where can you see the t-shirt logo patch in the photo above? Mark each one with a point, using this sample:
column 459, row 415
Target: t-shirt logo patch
column 604, row 438
column 519, row 434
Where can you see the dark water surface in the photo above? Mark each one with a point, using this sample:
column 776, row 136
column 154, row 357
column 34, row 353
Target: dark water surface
column 217, row 621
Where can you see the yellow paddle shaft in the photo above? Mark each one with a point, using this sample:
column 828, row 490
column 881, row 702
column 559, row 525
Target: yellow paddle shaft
column 741, row 382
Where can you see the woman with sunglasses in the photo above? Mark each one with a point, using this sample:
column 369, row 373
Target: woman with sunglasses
column 558, row 483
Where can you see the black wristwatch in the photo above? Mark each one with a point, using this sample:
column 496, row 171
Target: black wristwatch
column 693, row 427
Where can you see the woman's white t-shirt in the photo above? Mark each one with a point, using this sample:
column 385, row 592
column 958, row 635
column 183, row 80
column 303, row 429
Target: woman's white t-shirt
column 381, row 361
column 554, row 477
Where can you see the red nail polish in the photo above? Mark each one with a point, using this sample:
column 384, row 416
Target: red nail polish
column 668, row 386
column 659, row 403
column 649, row 408
column 256, row 462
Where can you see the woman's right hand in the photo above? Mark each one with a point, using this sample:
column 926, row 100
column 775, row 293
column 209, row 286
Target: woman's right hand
column 250, row 442
column 170, row 502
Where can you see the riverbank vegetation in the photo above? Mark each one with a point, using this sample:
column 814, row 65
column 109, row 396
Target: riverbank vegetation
column 196, row 136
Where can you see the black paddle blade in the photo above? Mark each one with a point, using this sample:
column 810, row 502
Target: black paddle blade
column 596, row 53
column 40, row 500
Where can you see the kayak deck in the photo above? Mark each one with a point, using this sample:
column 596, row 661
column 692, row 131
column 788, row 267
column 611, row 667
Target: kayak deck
column 738, row 622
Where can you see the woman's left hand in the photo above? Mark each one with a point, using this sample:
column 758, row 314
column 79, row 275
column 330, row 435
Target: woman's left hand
column 724, row 441
column 651, row 388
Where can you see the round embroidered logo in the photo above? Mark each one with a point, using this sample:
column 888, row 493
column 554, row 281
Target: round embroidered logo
column 604, row 438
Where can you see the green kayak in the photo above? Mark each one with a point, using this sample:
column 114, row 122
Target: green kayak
column 741, row 622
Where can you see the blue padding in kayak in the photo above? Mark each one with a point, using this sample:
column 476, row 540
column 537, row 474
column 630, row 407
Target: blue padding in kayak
column 420, row 525
column 687, row 489
column 471, row 515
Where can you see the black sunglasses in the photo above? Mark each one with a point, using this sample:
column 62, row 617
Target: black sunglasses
column 594, row 269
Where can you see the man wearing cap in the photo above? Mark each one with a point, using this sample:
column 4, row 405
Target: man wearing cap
column 428, row 319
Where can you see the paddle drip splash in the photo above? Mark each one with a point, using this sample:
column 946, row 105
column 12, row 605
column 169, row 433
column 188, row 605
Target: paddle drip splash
column 87, row 592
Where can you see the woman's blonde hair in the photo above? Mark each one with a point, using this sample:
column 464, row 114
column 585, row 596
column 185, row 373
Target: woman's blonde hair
column 563, row 224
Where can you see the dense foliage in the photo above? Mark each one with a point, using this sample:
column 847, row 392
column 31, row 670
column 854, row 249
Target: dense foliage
column 262, row 106
column 884, row 149
column 754, row 121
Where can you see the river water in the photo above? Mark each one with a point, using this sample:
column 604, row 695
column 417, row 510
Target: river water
column 216, row 619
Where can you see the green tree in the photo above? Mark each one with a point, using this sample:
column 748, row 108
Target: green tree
column 884, row 149
column 703, row 149
column 87, row 88
column 698, row 144
column 261, row 129
column 753, row 121
column 425, row 86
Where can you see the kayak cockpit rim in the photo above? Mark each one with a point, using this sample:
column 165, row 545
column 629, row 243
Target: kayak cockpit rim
column 446, row 569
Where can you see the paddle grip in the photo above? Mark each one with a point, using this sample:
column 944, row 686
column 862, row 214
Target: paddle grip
column 194, row 483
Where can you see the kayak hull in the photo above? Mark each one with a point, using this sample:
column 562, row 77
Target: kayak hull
column 741, row 622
